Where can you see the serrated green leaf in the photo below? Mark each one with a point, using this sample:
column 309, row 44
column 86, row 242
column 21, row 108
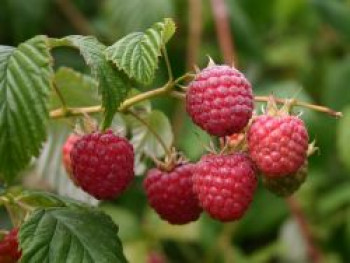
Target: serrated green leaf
column 144, row 140
column 25, row 80
column 343, row 136
column 113, row 84
column 64, row 235
column 77, row 89
column 137, row 53
column 46, row 199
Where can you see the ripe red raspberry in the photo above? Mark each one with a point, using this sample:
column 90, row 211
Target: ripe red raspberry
column 220, row 100
column 171, row 194
column 66, row 149
column 278, row 144
column 9, row 252
column 225, row 185
column 103, row 164
column 286, row 185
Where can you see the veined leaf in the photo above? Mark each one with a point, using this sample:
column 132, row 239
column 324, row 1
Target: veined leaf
column 25, row 80
column 113, row 84
column 65, row 235
column 137, row 53
column 77, row 89
column 144, row 140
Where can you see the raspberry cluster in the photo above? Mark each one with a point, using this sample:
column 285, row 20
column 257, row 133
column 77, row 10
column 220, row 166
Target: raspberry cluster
column 9, row 252
column 220, row 101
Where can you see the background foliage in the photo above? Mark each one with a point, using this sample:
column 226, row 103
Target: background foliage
column 282, row 45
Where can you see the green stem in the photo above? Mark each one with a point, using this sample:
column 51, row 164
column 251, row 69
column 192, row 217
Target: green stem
column 60, row 96
column 146, row 95
column 168, row 65
column 150, row 128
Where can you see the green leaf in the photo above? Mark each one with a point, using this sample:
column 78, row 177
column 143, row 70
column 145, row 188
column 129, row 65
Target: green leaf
column 144, row 140
column 25, row 80
column 137, row 53
column 113, row 84
column 46, row 199
column 343, row 137
column 64, row 235
column 77, row 89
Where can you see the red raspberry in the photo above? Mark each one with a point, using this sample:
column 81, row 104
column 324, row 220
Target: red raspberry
column 103, row 164
column 66, row 149
column 156, row 257
column 225, row 185
column 171, row 194
column 9, row 252
column 220, row 100
column 278, row 144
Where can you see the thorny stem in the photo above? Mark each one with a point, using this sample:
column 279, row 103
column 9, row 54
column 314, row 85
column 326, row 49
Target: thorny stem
column 60, row 113
column 156, row 135
column 314, row 253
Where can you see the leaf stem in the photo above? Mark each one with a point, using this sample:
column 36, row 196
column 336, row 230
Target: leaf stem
column 150, row 128
column 295, row 102
column 167, row 62
column 60, row 96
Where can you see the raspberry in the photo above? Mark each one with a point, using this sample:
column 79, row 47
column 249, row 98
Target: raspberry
column 9, row 252
column 288, row 184
column 278, row 144
column 220, row 100
column 66, row 149
column 171, row 194
column 156, row 257
column 225, row 185
column 103, row 164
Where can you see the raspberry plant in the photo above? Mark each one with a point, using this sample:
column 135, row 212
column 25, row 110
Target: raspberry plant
column 106, row 150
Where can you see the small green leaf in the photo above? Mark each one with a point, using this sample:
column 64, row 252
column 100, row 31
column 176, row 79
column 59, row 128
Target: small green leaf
column 113, row 84
column 144, row 140
column 25, row 80
column 137, row 53
column 65, row 235
column 77, row 89
column 46, row 199
column 343, row 138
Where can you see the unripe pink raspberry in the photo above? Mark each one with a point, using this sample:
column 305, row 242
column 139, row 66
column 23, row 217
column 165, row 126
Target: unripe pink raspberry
column 220, row 100
column 171, row 194
column 66, row 150
column 278, row 144
column 286, row 185
column 225, row 185
column 103, row 164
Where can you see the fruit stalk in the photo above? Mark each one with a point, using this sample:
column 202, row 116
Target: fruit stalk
column 295, row 102
column 313, row 252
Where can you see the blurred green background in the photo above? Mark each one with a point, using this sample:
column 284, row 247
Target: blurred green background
column 286, row 47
